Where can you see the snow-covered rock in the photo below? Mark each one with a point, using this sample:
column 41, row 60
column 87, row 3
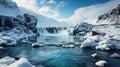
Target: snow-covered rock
column 111, row 17
column 37, row 45
column 107, row 45
column 95, row 55
column 22, row 62
column 91, row 42
column 21, row 29
column 6, row 61
column 1, row 47
column 68, row 46
column 82, row 28
column 101, row 63
column 115, row 55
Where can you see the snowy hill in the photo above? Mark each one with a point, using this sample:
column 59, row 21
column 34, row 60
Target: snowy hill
column 8, row 8
column 111, row 17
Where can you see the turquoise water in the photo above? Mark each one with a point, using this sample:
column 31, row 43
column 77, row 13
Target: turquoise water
column 53, row 56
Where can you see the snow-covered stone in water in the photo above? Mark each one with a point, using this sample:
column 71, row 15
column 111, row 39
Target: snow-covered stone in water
column 37, row 45
column 101, row 63
column 88, row 44
column 6, row 61
column 68, row 46
column 22, row 62
column 95, row 55
column 115, row 55
column 1, row 47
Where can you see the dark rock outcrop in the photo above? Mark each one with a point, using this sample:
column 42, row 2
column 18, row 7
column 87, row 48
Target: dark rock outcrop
column 28, row 22
column 112, row 16
column 82, row 28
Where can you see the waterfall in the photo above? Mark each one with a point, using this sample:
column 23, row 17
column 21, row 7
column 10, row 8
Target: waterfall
column 55, row 30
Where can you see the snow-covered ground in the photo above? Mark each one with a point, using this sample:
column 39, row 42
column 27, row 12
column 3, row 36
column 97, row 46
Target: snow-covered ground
column 11, row 62
column 110, row 39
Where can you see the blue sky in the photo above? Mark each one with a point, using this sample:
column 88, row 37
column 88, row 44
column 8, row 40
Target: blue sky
column 69, row 6
column 72, row 5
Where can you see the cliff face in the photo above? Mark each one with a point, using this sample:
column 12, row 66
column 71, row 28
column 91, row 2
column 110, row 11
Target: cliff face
column 111, row 17
column 19, row 28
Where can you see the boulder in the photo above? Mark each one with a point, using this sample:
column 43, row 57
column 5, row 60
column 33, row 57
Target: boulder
column 101, row 63
column 68, row 46
column 35, row 45
column 94, row 33
column 95, row 55
column 115, row 55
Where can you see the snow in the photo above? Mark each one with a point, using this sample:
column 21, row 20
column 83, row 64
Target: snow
column 37, row 45
column 95, row 55
column 82, row 28
column 91, row 41
column 101, row 63
column 22, row 62
column 68, row 46
column 1, row 47
column 11, row 62
column 110, row 39
column 6, row 61
column 108, row 44
column 7, row 37
column 9, row 8
column 115, row 55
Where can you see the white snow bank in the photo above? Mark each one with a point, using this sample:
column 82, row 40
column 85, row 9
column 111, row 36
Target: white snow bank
column 91, row 41
column 22, row 62
column 111, row 39
column 12, row 36
column 11, row 62
column 107, row 45
column 6, row 61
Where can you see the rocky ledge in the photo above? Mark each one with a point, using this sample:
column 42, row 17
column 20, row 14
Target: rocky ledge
column 17, row 29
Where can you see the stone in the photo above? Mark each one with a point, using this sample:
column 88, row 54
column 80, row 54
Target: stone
column 94, row 33
column 95, row 55
column 101, row 63
column 115, row 55
column 35, row 45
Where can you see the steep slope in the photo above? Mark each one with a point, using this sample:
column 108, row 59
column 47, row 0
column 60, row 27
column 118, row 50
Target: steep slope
column 8, row 8
column 111, row 17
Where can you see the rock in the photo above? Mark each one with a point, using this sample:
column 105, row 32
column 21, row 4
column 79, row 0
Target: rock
column 1, row 47
column 95, row 55
column 115, row 55
column 35, row 45
column 101, row 63
column 94, row 33
column 17, row 58
column 68, row 46
column 82, row 28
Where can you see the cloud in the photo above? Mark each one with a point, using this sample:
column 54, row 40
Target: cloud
column 52, row 2
column 45, row 7
column 91, row 12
